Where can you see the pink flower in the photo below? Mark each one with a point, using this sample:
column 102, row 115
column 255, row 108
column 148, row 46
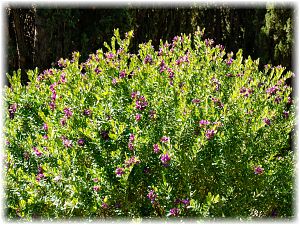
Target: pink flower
column 67, row 143
column 156, row 148
column 138, row 117
column 63, row 121
column 164, row 139
column 122, row 74
column 165, row 159
column 45, row 127
column 104, row 205
column 174, row 212
column 258, row 170
column 37, row 152
column 152, row 196
column 119, row 171
column 130, row 146
column 267, row 121
column 204, row 123
column 210, row 134
column 68, row 112
column 52, row 105
column 131, row 137
column 96, row 188
column 114, row 81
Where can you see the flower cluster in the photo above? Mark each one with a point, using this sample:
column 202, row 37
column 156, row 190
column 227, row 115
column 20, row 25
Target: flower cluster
column 12, row 110
column 152, row 196
column 141, row 103
column 165, row 159
column 120, row 171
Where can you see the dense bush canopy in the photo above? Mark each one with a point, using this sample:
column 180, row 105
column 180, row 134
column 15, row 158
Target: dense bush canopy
column 186, row 131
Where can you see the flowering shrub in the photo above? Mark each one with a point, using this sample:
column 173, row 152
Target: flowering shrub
column 185, row 131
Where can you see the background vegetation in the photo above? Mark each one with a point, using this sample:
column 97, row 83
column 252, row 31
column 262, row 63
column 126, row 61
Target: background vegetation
column 38, row 37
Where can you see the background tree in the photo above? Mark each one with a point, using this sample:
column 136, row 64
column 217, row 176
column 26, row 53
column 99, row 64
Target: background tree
column 38, row 37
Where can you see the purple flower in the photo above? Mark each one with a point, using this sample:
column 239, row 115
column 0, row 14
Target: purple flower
column 97, row 70
column 217, row 102
column 174, row 212
column 63, row 121
column 272, row 90
column 135, row 94
column 109, row 55
column 141, row 103
column 104, row 205
column 278, row 99
column 138, row 117
column 45, row 127
column 119, row 171
column 162, row 66
column 203, row 123
column 132, row 161
column 196, row 101
column 63, row 78
column 229, row 61
column 95, row 180
column 243, row 90
column 80, row 142
column 171, row 73
column 12, row 109
column 152, row 113
column 285, row 114
column 186, row 202
column 130, row 146
column 61, row 62
column 210, row 134
column 152, row 196
column 120, row 50
column 68, row 112
column 267, row 121
column 40, row 169
column 165, row 159
column 67, row 143
column 122, row 74
column 179, row 61
column 175, row 39
column 40, row 176
column 53, row 97
column 160, row 51
column 258, row 170
column 156, row 148
column 87, row 112
column 290, row 101
column 148, row 59
column 131, row 137
column 45, row 137
column 114, row 81
column 96, row 188
column 209, row 42
column 37, row 152
column 164, row 139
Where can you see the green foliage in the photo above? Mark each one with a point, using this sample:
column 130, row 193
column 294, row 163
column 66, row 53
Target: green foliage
column 278, row 31
column 186, row 131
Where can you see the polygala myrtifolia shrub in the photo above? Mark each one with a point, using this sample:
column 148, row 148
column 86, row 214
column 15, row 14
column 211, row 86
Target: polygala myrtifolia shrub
column 186, row 131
